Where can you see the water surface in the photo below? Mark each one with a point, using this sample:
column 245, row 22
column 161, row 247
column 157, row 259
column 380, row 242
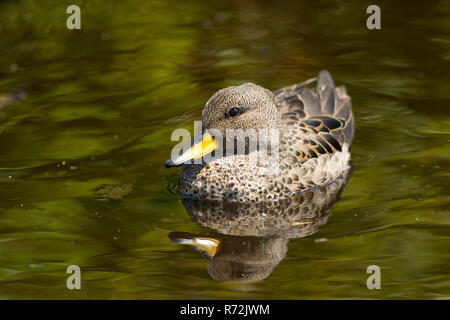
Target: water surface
column 85, row 124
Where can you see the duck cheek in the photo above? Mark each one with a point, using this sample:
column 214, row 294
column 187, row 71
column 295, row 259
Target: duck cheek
column 240, row 143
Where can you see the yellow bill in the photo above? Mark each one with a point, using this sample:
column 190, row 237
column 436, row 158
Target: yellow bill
column 196, row 151
column 207, row 245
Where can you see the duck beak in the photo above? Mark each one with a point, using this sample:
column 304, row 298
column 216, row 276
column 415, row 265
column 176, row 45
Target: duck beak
column 196, row 151
column 206, row 245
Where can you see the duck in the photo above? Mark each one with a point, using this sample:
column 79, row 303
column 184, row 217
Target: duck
column 248, row 240
column 314, row 129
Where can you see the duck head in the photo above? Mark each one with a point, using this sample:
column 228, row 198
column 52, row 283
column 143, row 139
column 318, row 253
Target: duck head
column 243, row 107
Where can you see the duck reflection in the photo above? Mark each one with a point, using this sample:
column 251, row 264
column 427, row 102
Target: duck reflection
column 251, row 238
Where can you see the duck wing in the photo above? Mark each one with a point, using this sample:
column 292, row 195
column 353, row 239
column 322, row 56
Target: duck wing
column 320, row 118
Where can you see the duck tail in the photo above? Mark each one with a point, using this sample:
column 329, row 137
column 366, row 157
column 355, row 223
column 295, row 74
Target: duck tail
column 325, row 79
column 334, row 101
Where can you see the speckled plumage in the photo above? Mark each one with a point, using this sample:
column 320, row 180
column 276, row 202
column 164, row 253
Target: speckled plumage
column 253, row 238
column 316, row 129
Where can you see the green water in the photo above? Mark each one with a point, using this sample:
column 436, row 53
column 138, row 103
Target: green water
column 85, row 124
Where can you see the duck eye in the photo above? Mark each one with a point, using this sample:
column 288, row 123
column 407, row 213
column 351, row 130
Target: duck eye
column 234, row 112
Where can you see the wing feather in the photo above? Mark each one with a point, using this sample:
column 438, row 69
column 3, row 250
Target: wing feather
column 323, row 116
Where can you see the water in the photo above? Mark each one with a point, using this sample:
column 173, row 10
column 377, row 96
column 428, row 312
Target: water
column 85, row 124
